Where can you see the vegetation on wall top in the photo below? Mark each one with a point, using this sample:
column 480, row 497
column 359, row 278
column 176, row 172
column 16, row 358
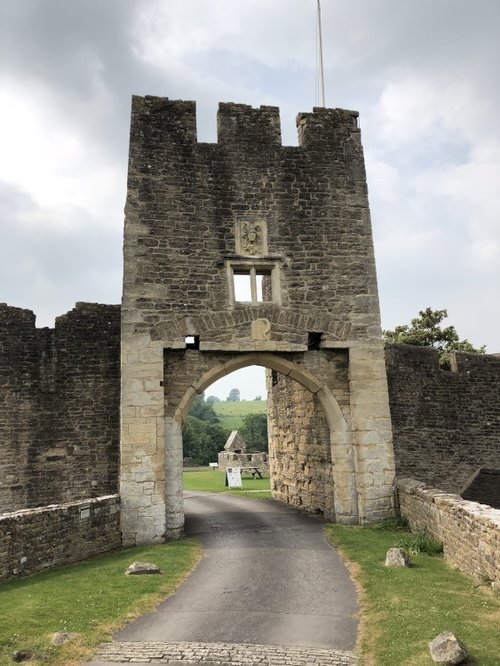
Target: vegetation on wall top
column 426, row 331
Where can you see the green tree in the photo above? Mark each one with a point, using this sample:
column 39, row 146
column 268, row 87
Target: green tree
column 234, row 395
column 254, row 432
column 203, row 436
column 203, row 410
column 426, row 331
column 202, row 440
column 212, row 399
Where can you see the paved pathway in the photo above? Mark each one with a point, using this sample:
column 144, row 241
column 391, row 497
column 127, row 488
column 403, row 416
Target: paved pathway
column 268, row 586
column 221, row 654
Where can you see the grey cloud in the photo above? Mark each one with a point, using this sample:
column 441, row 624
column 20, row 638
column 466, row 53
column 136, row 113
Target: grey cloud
column 45, row 269
column 81, row 52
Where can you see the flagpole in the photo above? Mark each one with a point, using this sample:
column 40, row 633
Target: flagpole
column 322, row 75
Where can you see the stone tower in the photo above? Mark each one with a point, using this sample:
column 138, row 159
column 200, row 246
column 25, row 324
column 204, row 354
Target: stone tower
column 247, row 252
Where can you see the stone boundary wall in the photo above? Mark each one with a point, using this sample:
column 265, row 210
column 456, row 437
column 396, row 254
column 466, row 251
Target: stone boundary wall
column 445, row 423
column 470, row 532
column 35, row 539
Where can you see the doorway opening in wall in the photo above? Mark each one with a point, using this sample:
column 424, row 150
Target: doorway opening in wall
column 227, row 426
column 279, row 438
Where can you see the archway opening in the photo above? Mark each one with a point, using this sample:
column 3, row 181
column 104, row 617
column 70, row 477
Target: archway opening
column 225, row 429
column 236, row 403
column 308, row 433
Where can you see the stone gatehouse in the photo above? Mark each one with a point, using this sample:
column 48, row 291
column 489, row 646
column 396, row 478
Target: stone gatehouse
column 247, row 252
column 244, row 252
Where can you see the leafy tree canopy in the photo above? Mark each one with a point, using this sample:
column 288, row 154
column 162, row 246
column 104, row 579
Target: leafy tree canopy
column 202, row 440
column 212, row 399
column 254, row 432
column 203, row 410
column 426, row 331
column 234, row 395
column 203, row 436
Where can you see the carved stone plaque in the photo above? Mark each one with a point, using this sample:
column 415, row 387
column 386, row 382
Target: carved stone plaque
column 261, row 329
column 251, row 238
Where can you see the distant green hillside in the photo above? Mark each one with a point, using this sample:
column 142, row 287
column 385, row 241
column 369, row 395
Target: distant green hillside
column 231, row 413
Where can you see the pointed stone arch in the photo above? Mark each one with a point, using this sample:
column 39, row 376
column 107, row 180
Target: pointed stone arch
column 342, row 454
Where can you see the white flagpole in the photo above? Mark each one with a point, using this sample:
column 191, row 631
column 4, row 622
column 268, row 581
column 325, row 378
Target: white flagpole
column 322, row 75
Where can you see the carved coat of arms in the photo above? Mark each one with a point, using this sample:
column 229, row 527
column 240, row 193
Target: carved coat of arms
column 251, row 238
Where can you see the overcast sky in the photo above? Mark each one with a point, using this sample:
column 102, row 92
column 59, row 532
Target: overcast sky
column 424, row 75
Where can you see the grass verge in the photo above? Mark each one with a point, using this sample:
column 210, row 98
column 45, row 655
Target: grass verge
column 214, row 482
column 93, row 598
column 403, row 609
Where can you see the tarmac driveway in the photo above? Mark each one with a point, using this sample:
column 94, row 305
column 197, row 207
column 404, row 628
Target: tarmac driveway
column 267, row 578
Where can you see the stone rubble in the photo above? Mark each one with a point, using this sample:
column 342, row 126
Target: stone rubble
column 141, row 568
column 61, row 637
column 397, row 557
column 447, row 650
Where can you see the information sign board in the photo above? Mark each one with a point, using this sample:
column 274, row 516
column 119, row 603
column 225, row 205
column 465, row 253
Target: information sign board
column 233, row 477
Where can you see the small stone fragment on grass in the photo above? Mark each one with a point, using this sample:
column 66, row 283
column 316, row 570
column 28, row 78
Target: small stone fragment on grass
column 447, row 650
column 397, row 557
column 138, row 568
column 61, row 637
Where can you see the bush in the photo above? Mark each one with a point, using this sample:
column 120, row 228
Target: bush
column 419, row 542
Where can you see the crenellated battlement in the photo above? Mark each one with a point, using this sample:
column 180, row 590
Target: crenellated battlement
column 157, row 119
column 324, row 126
column 162, row 120
column 241, row 123
column 14, row 317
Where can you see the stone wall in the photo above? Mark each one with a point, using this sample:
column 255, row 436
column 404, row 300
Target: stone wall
column 299, row 438
column 300, row 456
column 446, row 424
column 35, row 539
column 470, row 532
column 59, row 406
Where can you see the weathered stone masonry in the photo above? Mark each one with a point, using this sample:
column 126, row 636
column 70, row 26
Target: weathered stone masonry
column 36, row 539
column 470, row 532
column 59, row 406
column 296, row 219
column 293, row 222
column 446, row 424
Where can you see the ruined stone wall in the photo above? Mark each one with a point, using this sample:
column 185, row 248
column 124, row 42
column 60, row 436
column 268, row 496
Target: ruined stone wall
column 20, row 361
column 59, row 406
column 446, row 424
column 470, row 532
column 35, row 539
column 231, row 459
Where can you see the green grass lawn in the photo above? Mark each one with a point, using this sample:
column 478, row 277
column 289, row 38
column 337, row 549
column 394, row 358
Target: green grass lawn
column 93, row 598
column 404, row 609
column 214, row 482
column 231, row 414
